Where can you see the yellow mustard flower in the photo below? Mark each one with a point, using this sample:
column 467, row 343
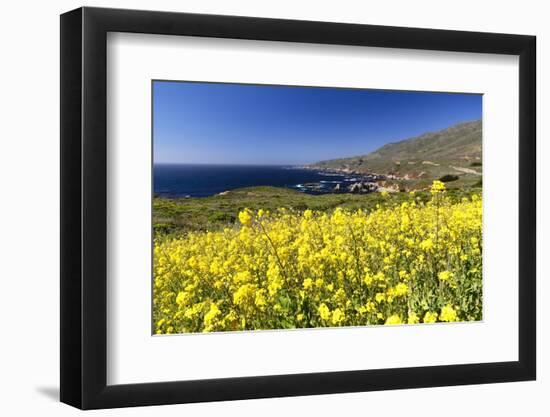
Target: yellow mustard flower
column 338, row 316
column 324, row 311
column 245, row 217
column 394, row 319
column 430, row 317
column 444, row 275
column 413, row 318
column 448, row 314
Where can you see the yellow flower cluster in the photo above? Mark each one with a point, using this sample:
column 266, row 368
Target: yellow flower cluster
column 413, row 263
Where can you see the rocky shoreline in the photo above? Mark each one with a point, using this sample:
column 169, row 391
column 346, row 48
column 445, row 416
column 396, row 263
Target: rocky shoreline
column 350, row 182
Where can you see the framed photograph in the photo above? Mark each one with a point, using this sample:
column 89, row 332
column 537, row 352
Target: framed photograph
column 257, row 208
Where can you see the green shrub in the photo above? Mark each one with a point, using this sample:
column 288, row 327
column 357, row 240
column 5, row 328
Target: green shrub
column 448, row 178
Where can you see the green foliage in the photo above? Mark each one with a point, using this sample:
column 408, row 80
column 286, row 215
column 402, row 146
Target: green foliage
column 174, row 216
column 448, row 178
column 402, row 263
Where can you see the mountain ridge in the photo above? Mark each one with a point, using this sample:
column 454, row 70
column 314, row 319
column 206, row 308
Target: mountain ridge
column 455, row 150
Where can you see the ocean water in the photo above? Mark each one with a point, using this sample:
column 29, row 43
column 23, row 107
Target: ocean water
column 206, row 180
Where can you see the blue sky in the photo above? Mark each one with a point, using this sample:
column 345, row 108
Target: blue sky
column 253, row 124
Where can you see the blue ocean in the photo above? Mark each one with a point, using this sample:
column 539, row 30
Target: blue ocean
column 207, row 180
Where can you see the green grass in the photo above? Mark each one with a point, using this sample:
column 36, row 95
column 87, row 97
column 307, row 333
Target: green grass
column 180, row 215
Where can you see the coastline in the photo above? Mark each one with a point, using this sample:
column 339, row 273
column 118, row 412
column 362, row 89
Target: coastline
column 187, row 181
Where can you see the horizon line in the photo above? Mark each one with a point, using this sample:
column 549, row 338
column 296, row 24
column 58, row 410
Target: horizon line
column 228, row 164
column 393, row 142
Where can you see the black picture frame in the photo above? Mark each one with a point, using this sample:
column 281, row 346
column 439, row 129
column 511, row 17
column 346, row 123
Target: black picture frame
column 84, row 207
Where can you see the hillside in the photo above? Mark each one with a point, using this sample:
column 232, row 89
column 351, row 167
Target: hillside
column 454, row 151
column 175, row 215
